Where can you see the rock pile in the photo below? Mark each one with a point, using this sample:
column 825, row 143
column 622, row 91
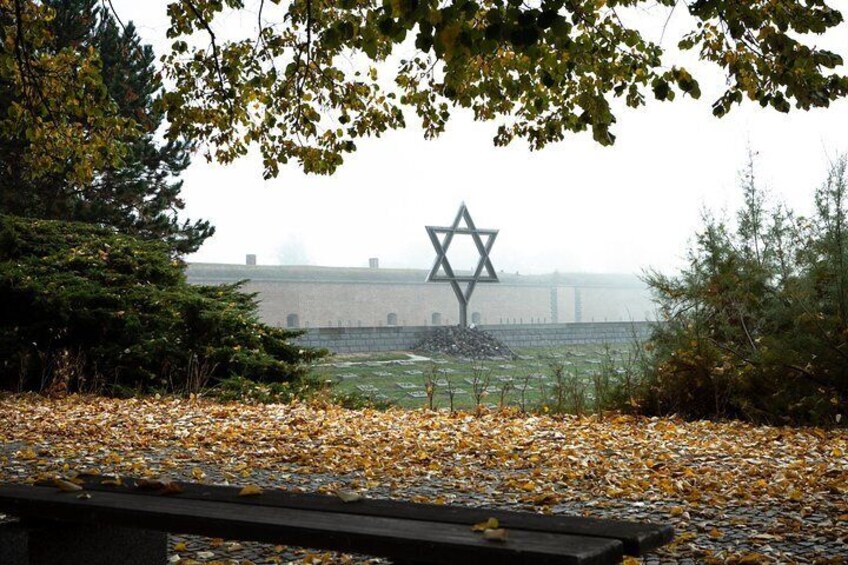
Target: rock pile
column 471, row 343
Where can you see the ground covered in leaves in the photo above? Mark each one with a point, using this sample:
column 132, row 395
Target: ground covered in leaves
column 734, row 492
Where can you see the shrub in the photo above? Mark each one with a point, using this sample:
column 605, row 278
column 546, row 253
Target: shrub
column 756, row 326
column 85, row 308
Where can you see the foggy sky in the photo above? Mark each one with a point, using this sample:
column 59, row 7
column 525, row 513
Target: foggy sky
column 575, row 206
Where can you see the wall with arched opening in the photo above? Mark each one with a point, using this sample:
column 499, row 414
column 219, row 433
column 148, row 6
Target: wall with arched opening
column 292, row 321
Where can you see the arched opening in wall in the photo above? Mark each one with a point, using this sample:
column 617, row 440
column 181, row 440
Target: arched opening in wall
column 436, row 319
column 292, row 321
column 391, row 319
column 476, row 318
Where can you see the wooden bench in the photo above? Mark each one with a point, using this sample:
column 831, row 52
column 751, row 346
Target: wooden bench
column 136, row 516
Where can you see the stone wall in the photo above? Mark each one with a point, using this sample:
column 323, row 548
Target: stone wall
column 370, row 339
column 318, row 297
column 321, row 304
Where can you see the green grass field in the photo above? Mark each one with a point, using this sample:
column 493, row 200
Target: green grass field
column 401, row 378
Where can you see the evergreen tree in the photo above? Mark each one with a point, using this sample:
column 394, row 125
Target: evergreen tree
column 756, row 325
column 138, row 194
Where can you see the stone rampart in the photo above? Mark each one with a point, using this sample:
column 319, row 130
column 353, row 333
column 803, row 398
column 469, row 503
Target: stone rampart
column 404, row 338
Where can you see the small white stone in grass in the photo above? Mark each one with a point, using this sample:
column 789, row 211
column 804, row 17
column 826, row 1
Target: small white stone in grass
column 175, row 558
column 205, row 555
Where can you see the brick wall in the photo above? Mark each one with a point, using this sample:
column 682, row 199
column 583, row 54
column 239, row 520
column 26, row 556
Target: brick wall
column 369, row 339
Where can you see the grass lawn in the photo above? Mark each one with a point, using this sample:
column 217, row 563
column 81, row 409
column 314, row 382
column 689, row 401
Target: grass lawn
column 400, row 378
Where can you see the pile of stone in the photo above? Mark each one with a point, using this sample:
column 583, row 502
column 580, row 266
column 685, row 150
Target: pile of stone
column 470, row 343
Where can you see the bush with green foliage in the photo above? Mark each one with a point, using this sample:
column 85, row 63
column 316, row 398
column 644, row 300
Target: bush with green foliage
column 756, row 326
column 85, row 308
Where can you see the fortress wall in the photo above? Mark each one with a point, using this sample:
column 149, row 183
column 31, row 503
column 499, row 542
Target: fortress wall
column 355, row 297
column 361, row 340
column 320, row 304
column 615, row 304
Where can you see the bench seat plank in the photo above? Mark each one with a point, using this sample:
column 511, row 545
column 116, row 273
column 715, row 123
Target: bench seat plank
column 397, row 538
column 637, row 539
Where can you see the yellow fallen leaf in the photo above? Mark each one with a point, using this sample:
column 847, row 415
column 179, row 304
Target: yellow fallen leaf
column 67, row 486
column 715, row 534
column 250, row 490
column 180, row 546
column 348, row 496
column 545, row 498
column 752, row 559
column 171, row 488
column 495, row 535
column 490, row 524
column 198, row 474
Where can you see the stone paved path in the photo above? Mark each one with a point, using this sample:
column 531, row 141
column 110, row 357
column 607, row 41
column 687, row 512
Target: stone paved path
column 731, row 531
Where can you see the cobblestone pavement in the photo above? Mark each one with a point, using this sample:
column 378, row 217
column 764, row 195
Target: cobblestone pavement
column 732, row 534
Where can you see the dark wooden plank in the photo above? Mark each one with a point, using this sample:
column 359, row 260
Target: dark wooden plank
column 637, row 538
column 396, row 538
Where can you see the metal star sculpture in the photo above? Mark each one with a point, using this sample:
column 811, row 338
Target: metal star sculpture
column 442, row 245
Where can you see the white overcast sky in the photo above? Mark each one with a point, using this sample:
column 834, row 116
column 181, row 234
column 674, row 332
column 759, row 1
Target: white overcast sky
column 575, row 206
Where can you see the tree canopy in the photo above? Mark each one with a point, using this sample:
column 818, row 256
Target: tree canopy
column 303, row 85
column 137, row 190
column 306, row 86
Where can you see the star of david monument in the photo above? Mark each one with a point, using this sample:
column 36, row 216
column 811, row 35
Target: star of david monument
column 441, row 237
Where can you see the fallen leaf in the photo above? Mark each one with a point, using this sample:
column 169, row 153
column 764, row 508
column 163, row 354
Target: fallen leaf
column 67, row 486
column 149, row 484
column 349, row 496
column 752, row 559
column 250, row 490
column 172, row 488
column 495, row 534
column 490, row 524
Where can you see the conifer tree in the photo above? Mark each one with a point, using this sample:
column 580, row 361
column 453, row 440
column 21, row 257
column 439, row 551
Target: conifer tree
column 137, row 192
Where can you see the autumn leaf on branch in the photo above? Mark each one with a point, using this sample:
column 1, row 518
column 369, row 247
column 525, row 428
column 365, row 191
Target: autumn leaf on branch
column 57, row 102
column 304, row 85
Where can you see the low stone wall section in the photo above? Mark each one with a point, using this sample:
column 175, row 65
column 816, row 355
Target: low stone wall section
column 404, row 338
